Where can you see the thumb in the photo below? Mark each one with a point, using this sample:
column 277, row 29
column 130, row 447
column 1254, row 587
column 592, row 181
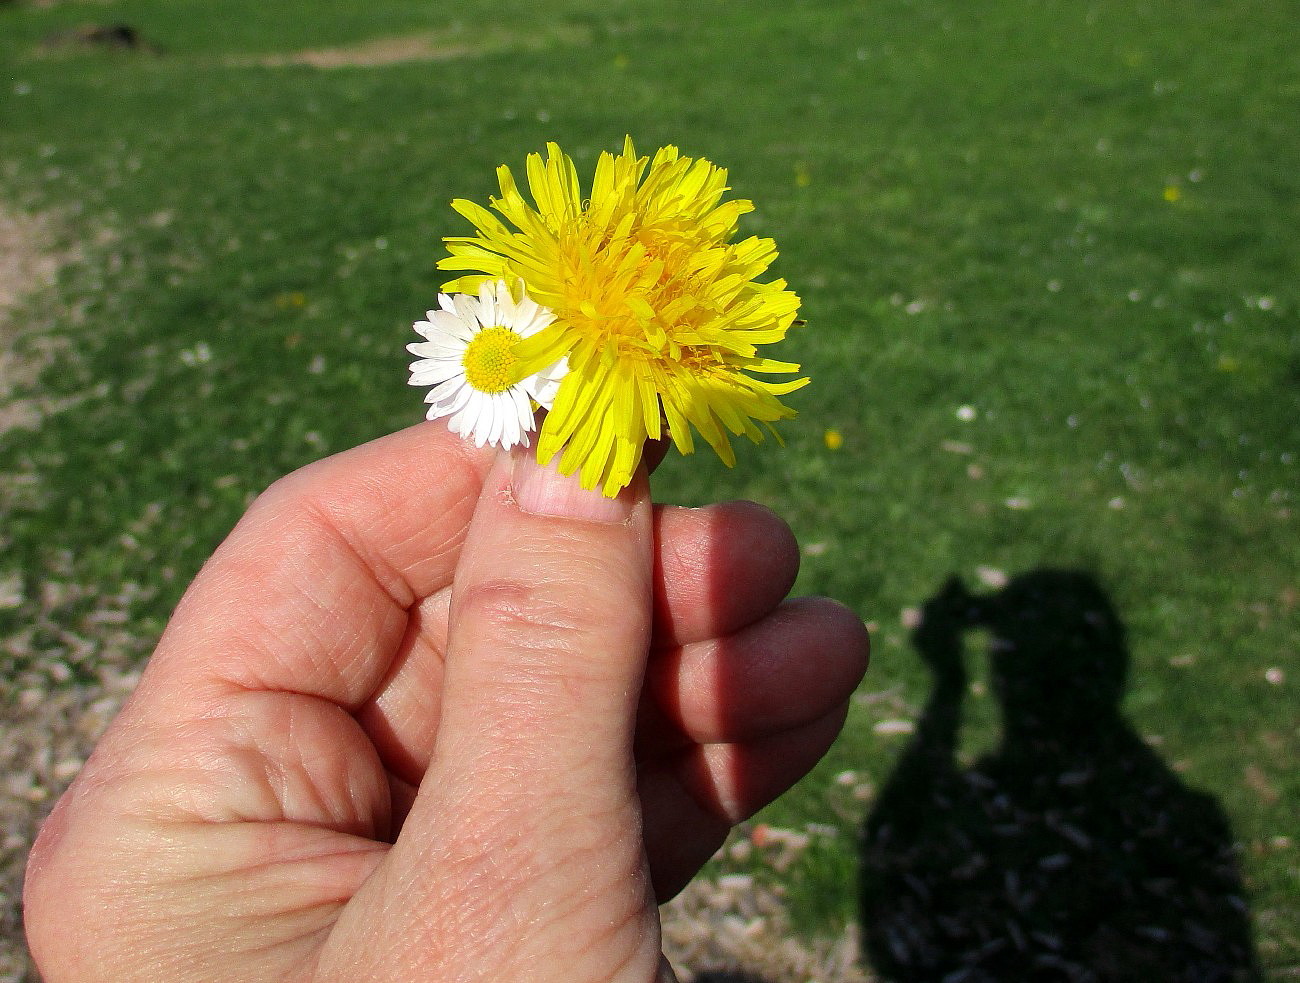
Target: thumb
column 524, row 847
column 549, row 625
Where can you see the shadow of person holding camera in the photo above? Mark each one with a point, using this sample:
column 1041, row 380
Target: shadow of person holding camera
column 1071, row 853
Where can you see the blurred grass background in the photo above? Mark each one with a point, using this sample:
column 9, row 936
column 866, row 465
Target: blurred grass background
column 1047, row 251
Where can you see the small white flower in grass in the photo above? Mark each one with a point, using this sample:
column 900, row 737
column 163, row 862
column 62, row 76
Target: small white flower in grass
column 469, row 360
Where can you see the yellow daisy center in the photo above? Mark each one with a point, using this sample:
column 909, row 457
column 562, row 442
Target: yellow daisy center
column 490, row 360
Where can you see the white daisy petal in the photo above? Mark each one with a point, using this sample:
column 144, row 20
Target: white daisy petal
column 528, row 314
column 430, row 353
column 445, row 391
column 459, row 424
column 545, row 384
column 466, row 397
column 451, row 328
column 432, row 373
column 427, row 361
column 507, row 310
column 497, row 435
column 495, row 426
column 482, row 425
column 506, row 421
column 453, row 353
column 467, row 310
column 487, row 305
column 521, row 408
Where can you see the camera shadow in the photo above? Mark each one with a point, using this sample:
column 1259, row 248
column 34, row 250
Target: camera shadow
column 1069, row 853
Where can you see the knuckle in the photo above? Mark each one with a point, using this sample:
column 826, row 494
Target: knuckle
column 513, row 610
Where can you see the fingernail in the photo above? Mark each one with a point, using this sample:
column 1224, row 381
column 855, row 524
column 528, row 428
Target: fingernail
column 542, row 490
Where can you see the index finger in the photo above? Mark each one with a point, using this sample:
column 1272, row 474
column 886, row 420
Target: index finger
column 310, row 592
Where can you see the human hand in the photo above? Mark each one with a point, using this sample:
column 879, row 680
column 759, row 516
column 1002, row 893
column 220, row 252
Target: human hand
column 433, row 714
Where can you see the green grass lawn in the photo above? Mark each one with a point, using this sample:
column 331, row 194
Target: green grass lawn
column 1048, row 257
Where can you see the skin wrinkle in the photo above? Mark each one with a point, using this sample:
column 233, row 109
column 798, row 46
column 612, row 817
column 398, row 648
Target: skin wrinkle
column 350, row 649
column 280, row 845
column 398, row 709
column 629, row 920
column 350, row 660
column 515, row 737
column 492, row 789
column 533, row 565
column 688, row 681
column 133, row 919
column 366, row 811
column 295, row 779
column 547, row 639
column 285, row 936
column 479, row 877
column 140, row 799
column 252, row 662
column 151, row 755
column 684, row 559
column 319, row 542
column 262, row 769
column 381, row 573
column 364, row 488
column 603, row 852
column 273, row 913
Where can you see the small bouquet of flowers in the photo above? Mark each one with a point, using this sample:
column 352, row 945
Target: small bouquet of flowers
column 627, row 313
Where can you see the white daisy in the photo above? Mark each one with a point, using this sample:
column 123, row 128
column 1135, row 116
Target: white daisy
column 469, row 360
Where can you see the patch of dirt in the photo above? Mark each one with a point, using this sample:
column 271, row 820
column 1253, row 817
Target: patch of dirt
column 386, row 51
column 30, row 259
column 24, row 267
column 734, row 927
column 433, row 46
column 28, row 265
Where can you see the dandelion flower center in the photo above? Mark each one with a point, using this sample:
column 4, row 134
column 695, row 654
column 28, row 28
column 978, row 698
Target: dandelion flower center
column 490, row 360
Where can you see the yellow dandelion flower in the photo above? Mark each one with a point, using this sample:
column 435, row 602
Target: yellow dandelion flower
column 660, row 315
